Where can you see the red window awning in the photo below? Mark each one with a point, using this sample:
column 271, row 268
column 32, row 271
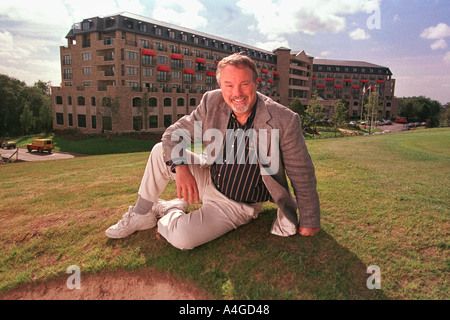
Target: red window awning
column 264, row 71
column 200, row 60
column 189, row 71
column 330, row 79
column 380, row 81
column 270, row 81
column 364, row 81
column 355, row 87
column 313, row 79
column 347, row 80
column 148, row 52
column 259, row 79
column 338, row 87
column 210, row 73
column 163, row 68
column 320, row 86
column 276, row 73
column 177, row 56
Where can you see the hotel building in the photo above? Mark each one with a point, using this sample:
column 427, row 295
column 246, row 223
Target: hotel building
column 126, row 73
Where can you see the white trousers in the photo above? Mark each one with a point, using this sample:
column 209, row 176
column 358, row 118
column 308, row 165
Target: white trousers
column 217, row 216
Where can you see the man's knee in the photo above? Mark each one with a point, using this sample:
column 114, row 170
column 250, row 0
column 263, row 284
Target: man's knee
column 175, row 231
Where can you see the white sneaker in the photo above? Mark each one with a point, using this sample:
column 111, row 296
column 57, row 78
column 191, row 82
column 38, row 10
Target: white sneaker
column 130, row 223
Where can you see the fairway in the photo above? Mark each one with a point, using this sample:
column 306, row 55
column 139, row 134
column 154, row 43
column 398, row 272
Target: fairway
column 384, row 199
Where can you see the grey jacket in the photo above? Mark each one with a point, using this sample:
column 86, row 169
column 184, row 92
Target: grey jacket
column 293, row 161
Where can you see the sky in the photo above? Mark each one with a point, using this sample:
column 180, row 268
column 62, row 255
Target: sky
column 411, row 37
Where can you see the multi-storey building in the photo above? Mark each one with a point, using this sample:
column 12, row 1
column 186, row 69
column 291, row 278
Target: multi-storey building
column 352, row 81
column 130, row 73
column 125, row 73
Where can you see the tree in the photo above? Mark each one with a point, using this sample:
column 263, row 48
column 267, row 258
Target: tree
column 419, row 109
column 372, row 107
column 27, row 120
column 315, row 111
column 45, row 116
column 445, row 115
column 297, row 106
column 340, row 114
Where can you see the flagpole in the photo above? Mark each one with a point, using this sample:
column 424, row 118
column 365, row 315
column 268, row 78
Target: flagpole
column 363, row 91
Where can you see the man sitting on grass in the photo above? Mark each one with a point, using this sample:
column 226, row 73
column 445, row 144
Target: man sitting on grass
column 253, row 146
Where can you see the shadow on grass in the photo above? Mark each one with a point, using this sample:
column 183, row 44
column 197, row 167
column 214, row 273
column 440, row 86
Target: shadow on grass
column 250, row 263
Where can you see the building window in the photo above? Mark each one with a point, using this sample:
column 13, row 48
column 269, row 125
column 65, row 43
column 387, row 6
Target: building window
column 94, row 122
column 132, row 55
column 152, row 102
column 147, row 72
column 147, row 60
column 132, row 71
column 67, row 60
column 93, row 101
column 87, row 71
column 137, row 123
column 59, row 100
column 81, row 101
column 158, row 31
column 59, row 118
column 163, row 76
column 86, row 25
column 167, row 102
column 143, row 27
column 128, row 24
column 133, row 84
column 70, row 120
column 67, row 73
column 167, row 120
column 137, row 102
column 108, row 41
column 82, row 120
column 162, row 60
column 153, row 122
column 86, row 56
column 109, row 22
column 145, row 43
column 106, row 123
column 180, row 102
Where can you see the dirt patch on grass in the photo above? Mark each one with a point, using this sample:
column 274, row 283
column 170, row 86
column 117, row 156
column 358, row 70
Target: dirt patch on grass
column 143, row 285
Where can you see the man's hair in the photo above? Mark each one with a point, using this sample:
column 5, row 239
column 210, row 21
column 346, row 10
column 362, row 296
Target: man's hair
column 239, row 60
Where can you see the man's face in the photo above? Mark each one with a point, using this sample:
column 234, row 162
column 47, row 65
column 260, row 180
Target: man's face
column 238, row 89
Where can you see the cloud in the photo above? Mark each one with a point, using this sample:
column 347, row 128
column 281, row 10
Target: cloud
column 440, row 31
column 359, row 34
column 439, row 44
column 34, row 30
column 281, row 17
column 181, row 12
column 447, row 58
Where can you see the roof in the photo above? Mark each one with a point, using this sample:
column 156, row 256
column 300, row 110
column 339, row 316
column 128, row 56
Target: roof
column 346, row 63
column 179, row 28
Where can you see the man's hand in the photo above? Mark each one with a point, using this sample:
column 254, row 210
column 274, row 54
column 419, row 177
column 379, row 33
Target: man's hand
column 308, row 232
column 186, row 184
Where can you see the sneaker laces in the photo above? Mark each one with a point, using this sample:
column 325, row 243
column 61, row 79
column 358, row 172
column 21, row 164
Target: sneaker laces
column 126, row 217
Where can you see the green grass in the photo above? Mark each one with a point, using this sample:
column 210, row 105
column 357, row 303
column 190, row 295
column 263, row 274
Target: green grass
column 384, row 199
